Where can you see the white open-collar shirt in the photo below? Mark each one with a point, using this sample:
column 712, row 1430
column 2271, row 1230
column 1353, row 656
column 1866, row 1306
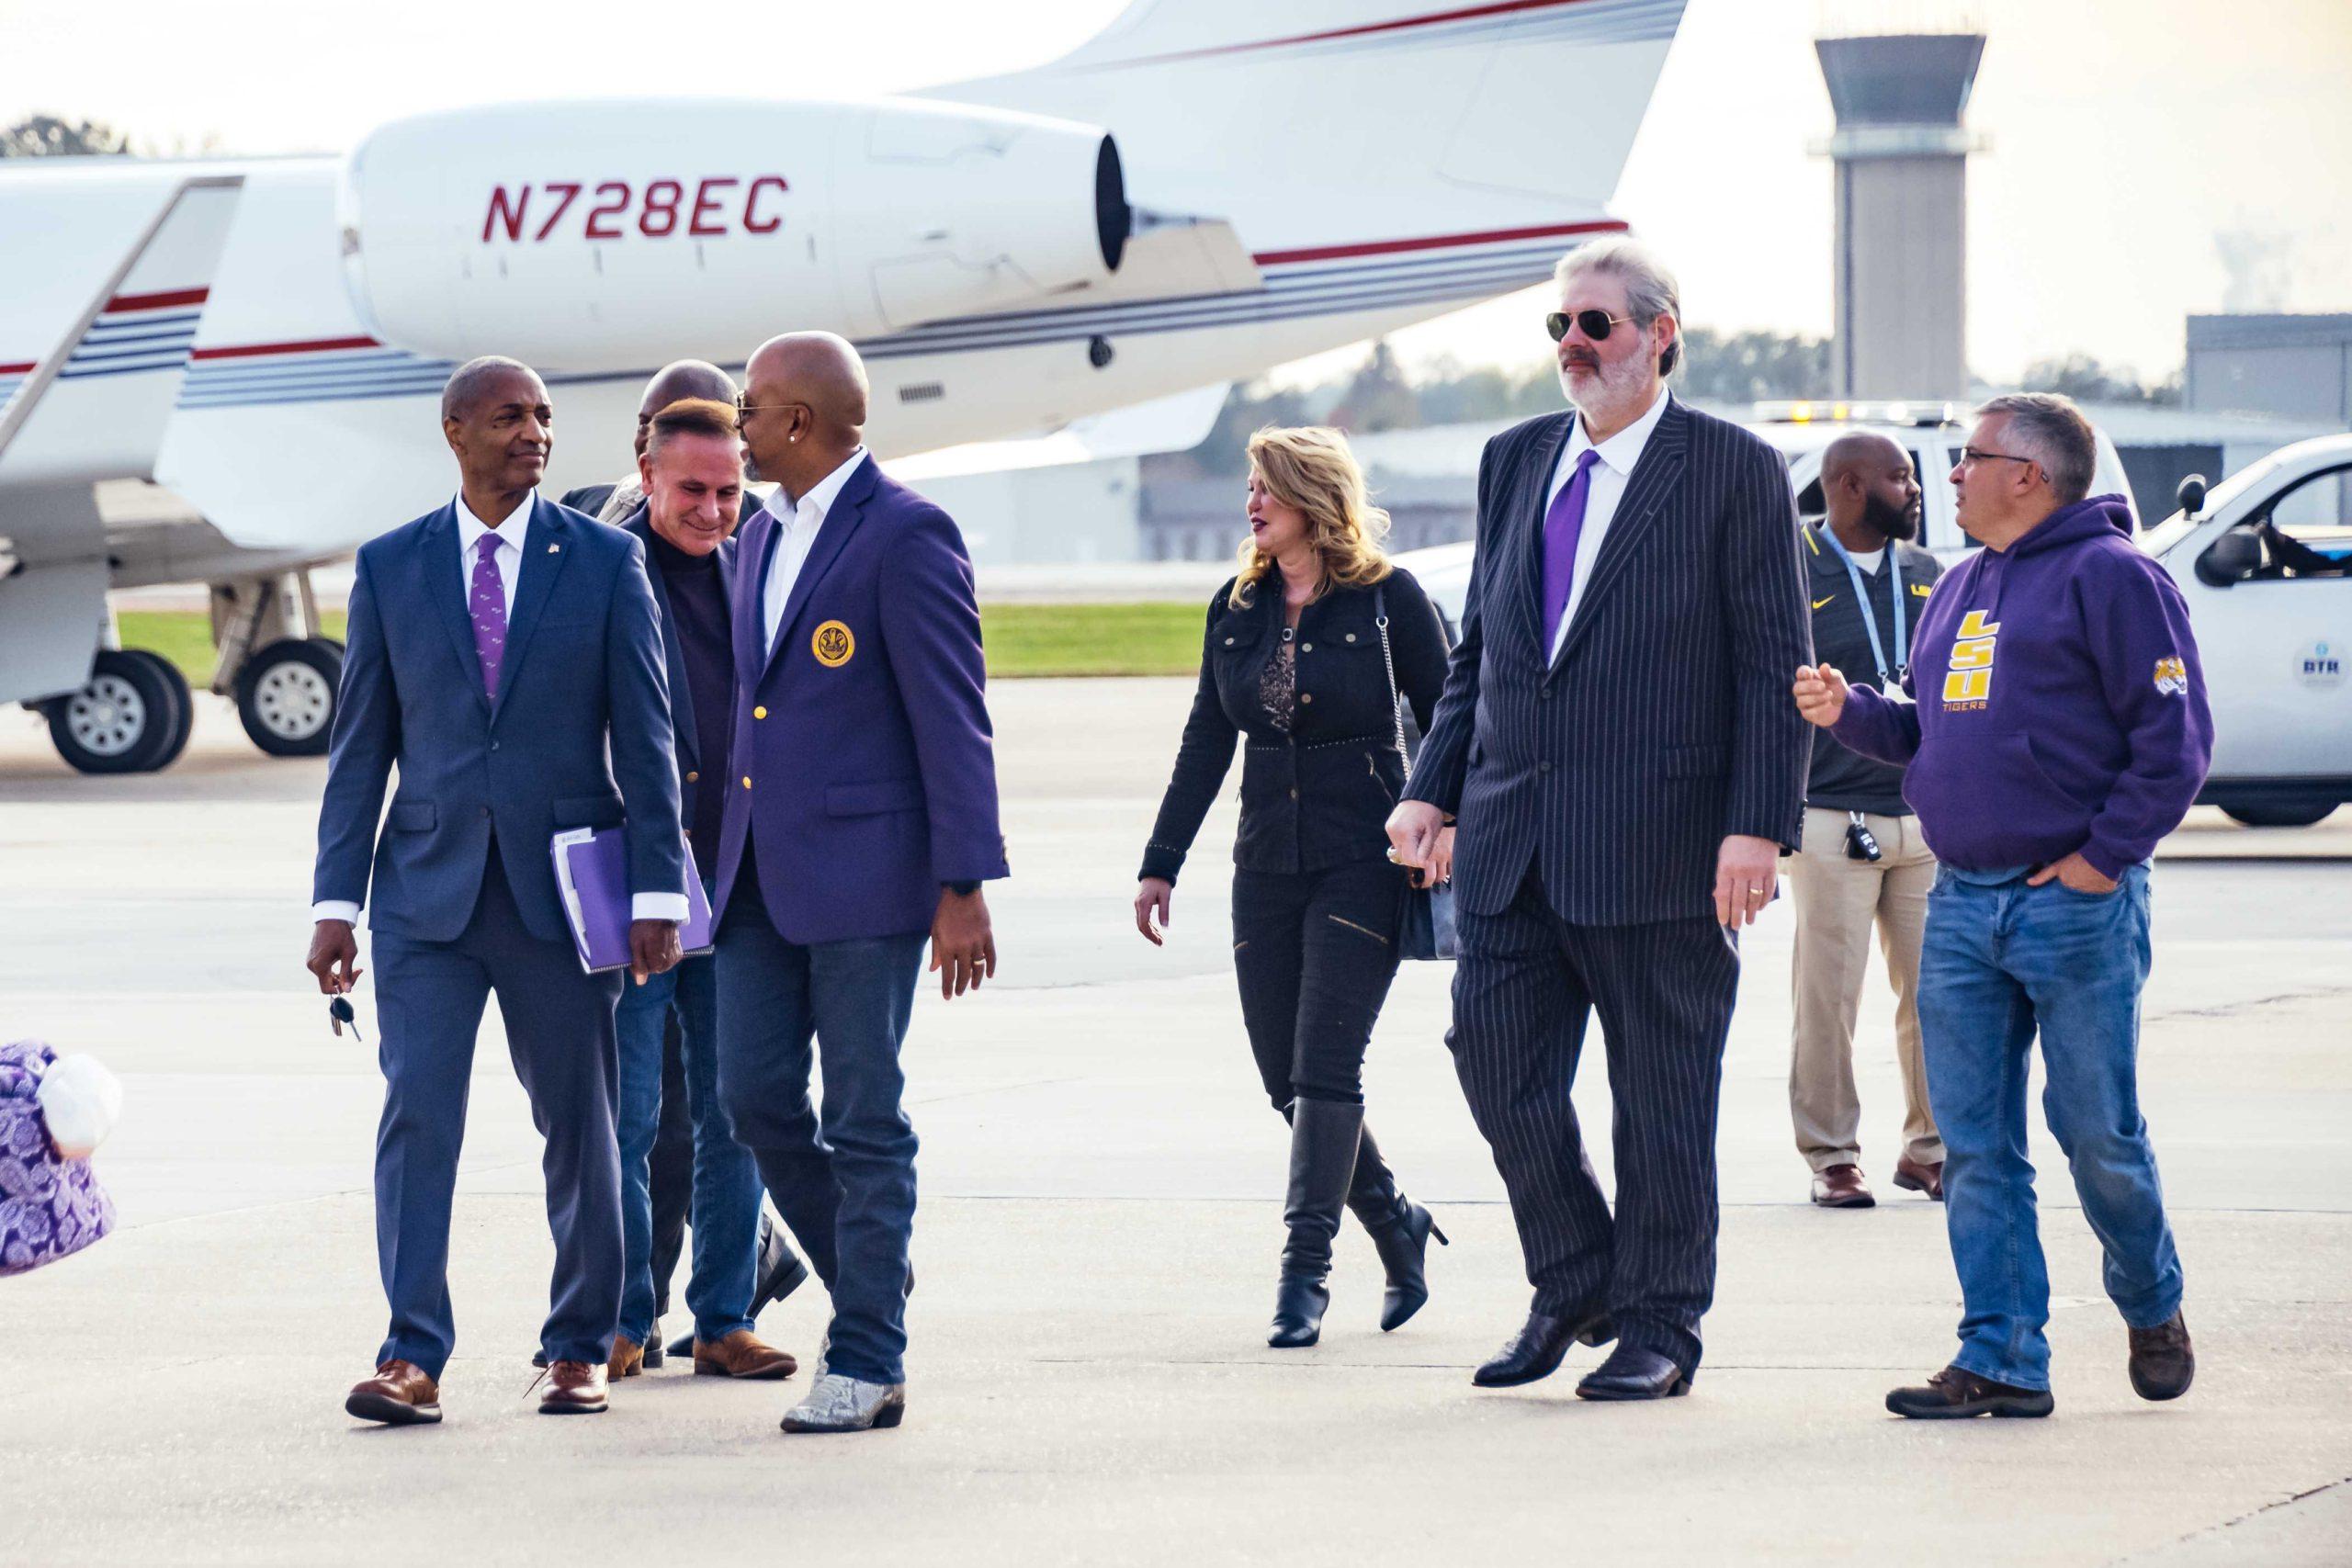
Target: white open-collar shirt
column 796, row 533
column 1604, row 492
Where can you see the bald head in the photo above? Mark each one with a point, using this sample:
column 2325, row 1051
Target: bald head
column 696, row 381
column 1869, row 489
column 478, row 380
column 805, row 397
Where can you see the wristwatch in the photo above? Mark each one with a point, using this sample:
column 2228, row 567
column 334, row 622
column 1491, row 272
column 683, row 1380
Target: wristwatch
column 964, row 889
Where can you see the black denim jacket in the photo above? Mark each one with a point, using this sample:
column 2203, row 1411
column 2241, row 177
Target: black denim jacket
column 1319, row 796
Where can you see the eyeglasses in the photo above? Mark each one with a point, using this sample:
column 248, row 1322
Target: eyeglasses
column 1971, row 454
column 1594, row 324
column 743, row 408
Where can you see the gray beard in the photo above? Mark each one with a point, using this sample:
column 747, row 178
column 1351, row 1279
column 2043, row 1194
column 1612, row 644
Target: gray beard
column 1619, row 386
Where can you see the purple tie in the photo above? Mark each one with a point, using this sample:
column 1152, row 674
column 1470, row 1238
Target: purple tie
column 1562, row 523
column 487, row 606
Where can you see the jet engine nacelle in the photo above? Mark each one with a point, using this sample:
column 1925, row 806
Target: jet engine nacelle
column 590, row 235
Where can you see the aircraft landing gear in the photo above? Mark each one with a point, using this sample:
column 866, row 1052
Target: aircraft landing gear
column 133, row 715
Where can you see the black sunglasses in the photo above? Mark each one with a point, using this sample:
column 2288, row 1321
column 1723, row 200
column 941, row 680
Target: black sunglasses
column 1594, row 324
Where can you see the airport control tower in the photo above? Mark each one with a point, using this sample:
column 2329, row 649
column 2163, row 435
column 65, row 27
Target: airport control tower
column 1901, row 161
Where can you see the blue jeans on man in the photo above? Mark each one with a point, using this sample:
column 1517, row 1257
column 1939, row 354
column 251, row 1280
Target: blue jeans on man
column 845, row 1185
column 2001, row 961
column 726, row 1205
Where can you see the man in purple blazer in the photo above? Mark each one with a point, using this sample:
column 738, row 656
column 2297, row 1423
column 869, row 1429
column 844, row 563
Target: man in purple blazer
column 861, row 820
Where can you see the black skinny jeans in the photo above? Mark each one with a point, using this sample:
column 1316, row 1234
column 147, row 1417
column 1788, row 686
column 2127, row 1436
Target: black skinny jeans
column 1315, row 951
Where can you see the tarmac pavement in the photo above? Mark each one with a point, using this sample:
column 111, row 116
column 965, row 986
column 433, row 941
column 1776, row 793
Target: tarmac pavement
column 1098, row 1239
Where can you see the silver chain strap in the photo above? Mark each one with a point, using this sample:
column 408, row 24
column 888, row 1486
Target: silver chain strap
column 1389, row 662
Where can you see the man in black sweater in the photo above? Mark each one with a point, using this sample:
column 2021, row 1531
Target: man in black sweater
column 1862, row 862
column 691, row 471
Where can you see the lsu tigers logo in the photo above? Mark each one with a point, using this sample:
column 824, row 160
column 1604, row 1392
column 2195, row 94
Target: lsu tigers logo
column 1968, row 681
column 832, row 645
column 2171, row 676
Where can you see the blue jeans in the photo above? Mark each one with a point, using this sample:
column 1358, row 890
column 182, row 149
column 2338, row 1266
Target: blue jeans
column 845, row 1186
column 2002, row 960
column 726, row 1205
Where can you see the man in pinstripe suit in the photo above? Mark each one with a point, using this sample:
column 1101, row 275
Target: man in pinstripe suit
column 1625, row 772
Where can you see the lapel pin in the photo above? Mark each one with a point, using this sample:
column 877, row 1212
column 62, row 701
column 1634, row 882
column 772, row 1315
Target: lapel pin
column 553, row 549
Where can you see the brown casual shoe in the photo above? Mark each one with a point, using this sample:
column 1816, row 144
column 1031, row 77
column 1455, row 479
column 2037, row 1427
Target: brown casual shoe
column 742, row 1354
column 574, row 1388
column 1841, row 1187
column 2162, row 1361
column 1954, row 1394
column 1918, row 1175
column 628, row 1359
column 400, row 1394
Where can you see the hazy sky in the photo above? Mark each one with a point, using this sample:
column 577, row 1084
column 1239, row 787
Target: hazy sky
column 2148, row 158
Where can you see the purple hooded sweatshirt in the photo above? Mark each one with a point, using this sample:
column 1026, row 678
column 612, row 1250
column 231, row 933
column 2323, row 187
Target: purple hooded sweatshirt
column 2065, row 706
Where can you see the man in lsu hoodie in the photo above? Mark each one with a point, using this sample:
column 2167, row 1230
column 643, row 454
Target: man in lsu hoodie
column 2059, row 728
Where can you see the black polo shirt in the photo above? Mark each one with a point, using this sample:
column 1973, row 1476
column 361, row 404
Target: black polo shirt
column 1843, row 780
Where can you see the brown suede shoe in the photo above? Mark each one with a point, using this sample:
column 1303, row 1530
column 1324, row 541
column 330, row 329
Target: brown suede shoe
column 400, row 1394
column 574, row 1388
column 1841, row 1187
column 2164, row 1363
column 742, row 1354
column 628, row 1359
column 1918, row 1175
column 1954, row 1394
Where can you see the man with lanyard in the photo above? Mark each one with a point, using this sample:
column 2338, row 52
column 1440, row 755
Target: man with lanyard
column 1863, row 860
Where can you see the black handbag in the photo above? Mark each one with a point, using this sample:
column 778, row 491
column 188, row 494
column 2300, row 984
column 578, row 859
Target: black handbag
column 1426, row 929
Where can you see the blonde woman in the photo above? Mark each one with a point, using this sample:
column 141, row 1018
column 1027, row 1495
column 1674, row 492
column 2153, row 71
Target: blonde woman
column 1293, row 660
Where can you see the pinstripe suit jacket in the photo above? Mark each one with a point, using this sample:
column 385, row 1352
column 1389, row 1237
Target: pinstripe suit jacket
column 1666, row 723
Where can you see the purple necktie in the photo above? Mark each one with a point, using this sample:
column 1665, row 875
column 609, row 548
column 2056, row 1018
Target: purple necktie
column 487, row 606
column 1562, row 523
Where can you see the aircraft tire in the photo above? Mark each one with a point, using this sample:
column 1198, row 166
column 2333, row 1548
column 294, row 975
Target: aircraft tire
column 2277, row 814
column 182, row 701
column 285, row 696
column 128, row 719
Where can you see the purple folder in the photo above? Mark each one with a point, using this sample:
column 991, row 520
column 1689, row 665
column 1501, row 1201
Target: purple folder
column 592, row 873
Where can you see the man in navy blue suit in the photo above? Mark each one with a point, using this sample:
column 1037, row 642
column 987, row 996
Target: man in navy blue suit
column 500, row 648
column 861, row 821
column 1625, row 786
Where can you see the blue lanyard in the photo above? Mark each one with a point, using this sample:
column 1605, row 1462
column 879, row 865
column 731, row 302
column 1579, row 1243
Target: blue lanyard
column 1888, row 678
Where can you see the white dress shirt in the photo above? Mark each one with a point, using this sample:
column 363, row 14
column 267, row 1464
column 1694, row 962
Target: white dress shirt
column 796, row 534
column 508, row 557
column 1604, row 491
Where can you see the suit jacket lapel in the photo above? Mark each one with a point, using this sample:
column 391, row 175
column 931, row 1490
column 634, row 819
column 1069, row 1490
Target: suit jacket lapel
column 682, row 698
column 1527, row 577
column 547, row 546
column 833, row 535
column 443, row 584
column 1654, row 478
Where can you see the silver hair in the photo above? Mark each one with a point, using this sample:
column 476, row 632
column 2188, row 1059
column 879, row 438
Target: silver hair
column 1650, row 288
column 2054, row 434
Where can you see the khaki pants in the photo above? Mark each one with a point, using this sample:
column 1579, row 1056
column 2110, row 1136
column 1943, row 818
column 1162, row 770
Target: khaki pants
column 1836, row 901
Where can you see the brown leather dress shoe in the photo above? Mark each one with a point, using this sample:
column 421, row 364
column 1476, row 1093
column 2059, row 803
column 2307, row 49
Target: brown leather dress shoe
column 628, row 1360
column 1956, row 1394
column 1918, row 1175
column 400, row 1394
column 574, row 1388
column 2164, row 1363
column 742, row 1354
column 1841, row 1187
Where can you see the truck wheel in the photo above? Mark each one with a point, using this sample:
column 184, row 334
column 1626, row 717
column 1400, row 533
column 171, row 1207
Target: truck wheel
column 182, row 702
column 2271, row 814
column 285, row 696
column 124, row 720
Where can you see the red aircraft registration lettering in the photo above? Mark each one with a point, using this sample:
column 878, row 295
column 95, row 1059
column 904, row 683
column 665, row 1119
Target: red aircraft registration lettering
column 708, row 208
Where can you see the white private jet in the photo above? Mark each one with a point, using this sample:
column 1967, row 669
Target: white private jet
column 226, row 371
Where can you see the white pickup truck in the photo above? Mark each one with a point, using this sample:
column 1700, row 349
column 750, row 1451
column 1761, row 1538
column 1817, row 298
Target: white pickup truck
column 2265, row 561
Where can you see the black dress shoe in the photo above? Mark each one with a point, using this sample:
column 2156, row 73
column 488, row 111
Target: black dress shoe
column 780, row 1270
column 1536, row 1350
column 1632, row 1372
column 683, row 1345
column 1955, row 1394
column 653, row 1347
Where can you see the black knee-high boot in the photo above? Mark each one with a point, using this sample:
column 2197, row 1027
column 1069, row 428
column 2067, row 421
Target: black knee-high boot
column 1323, row 1138
column 1400, row 1230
